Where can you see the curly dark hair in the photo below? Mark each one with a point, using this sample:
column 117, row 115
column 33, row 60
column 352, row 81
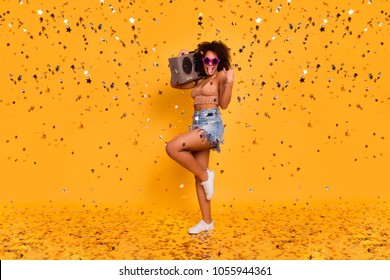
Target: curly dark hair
column 222, row 51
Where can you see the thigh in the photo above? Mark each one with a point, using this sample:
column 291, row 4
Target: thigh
column 191, row 141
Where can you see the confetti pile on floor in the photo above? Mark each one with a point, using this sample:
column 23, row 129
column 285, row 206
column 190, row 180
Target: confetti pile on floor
column 329, row 232
column 86, row 107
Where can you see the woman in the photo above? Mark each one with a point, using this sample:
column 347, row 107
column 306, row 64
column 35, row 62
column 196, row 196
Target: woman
column 192, row 149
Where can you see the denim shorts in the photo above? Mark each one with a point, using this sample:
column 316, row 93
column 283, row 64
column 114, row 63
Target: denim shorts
column 209, row 121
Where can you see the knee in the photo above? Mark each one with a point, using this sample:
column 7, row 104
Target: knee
column 170, row 149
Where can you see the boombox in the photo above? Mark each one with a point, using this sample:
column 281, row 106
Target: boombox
column 184, row 69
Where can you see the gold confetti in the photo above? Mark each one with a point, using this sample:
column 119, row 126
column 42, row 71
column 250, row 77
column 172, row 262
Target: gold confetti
column 86, row 89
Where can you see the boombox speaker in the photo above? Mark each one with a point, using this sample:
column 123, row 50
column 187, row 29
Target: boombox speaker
column 183, row 69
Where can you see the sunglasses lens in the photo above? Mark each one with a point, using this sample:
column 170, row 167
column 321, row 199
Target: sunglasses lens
column 207, row 60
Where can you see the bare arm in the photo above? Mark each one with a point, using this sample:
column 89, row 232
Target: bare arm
column 226, row 87
column 188, row 85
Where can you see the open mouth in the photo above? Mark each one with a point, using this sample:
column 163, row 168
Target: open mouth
column 210, row 70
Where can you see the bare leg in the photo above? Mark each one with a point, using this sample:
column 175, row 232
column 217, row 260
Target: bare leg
column 181, row 148
column 202, row 157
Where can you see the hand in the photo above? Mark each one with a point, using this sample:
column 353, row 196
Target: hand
column 183, row 52
column 229, row 74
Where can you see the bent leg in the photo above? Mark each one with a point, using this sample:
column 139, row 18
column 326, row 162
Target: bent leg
column 181, row 147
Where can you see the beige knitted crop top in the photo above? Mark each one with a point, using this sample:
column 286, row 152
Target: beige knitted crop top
column 202, row 99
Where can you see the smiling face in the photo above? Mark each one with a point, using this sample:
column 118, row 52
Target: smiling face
column 210, row 68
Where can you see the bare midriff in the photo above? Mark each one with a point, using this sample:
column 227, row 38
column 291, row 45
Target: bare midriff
column 204, row 107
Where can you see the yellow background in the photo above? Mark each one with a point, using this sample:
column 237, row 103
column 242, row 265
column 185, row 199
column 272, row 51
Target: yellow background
column 86, row 107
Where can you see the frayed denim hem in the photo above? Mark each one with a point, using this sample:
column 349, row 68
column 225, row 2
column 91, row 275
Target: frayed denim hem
column 215, row 141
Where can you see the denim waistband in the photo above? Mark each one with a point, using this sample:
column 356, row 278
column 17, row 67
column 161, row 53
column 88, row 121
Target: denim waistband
column 206, row 112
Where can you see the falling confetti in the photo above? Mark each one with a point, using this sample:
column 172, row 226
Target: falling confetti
column 79, row 76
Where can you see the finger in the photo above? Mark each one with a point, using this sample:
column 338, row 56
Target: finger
column 183, row 52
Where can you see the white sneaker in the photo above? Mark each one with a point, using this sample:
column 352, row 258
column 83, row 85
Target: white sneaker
column 201, row 226
column 209, row 185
